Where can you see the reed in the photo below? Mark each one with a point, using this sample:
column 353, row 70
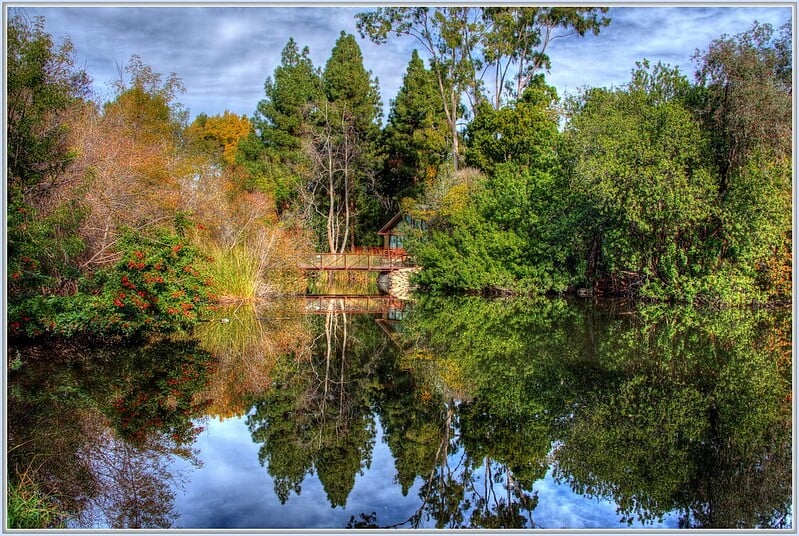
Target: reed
column 29, row 508
column 256, row 265
column 235, row 270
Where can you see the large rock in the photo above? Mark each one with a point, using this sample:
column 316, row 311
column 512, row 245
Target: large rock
column 397, row 283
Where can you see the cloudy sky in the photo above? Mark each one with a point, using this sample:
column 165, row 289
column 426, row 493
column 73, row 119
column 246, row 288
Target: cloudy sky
column 232, row 490
column 224, row 54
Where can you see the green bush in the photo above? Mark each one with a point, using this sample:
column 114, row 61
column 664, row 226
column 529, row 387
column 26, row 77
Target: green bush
column 159, row 285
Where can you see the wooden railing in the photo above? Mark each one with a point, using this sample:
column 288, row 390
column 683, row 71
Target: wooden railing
column 351, row 304
column 373, row 260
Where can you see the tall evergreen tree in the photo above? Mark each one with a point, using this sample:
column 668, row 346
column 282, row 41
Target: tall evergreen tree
column 415, row 138
column 347, row 83
column 275, row 152
column 294, row 86
column 341, row 143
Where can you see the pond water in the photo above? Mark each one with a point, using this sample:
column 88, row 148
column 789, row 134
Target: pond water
column 457, row 412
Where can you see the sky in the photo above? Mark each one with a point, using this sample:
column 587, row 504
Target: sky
column 233, row 490
column 223, row 55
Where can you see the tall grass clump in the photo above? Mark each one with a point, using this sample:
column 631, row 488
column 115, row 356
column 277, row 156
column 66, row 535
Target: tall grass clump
column 29, row 508
column 254, row 265
column 235, row 270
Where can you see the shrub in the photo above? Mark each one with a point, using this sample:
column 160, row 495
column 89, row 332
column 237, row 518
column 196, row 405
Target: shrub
column 159, row 285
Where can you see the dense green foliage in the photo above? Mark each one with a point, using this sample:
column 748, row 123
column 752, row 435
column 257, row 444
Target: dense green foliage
column 510, row 228
column 523, row 133
column 640, row 167
column 659, row 189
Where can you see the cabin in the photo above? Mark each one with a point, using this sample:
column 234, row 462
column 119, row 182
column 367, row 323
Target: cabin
column 392, row 232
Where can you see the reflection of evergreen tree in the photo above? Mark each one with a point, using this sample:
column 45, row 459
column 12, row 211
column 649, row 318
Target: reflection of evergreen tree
column 411, row 420
column 275, row 422
column 341, row 459
column 319, row 414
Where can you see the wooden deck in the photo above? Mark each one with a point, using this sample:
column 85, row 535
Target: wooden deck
column 383, row 260
column 351, row 304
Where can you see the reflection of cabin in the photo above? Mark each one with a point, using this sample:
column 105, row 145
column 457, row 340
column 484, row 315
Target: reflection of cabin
column 392, row 232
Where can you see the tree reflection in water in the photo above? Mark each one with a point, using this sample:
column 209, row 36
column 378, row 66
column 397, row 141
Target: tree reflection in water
column 98, row 426
column 660, row 410
column 663, row 411
column 318, row 415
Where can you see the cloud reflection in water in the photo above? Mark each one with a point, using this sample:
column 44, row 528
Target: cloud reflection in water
column 232, row 490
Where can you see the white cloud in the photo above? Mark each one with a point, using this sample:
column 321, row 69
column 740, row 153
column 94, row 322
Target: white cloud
column 224, row 54
column 660, row 34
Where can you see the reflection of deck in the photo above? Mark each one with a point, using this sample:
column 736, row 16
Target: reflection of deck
column 385, row 260
column 352, row 304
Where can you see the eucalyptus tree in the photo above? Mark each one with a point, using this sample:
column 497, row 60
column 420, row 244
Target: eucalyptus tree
column 340, row 140
column 515, row 45
column 449, row 36
column 464, row 43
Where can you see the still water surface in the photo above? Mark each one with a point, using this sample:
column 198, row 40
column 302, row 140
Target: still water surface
column 449, row 413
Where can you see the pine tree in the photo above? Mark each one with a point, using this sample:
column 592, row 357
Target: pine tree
column 348, row 84
column 279, row 117
column 273, row 155
column 415, row 138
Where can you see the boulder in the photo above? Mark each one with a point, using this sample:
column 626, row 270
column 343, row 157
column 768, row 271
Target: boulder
column 397, row 283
